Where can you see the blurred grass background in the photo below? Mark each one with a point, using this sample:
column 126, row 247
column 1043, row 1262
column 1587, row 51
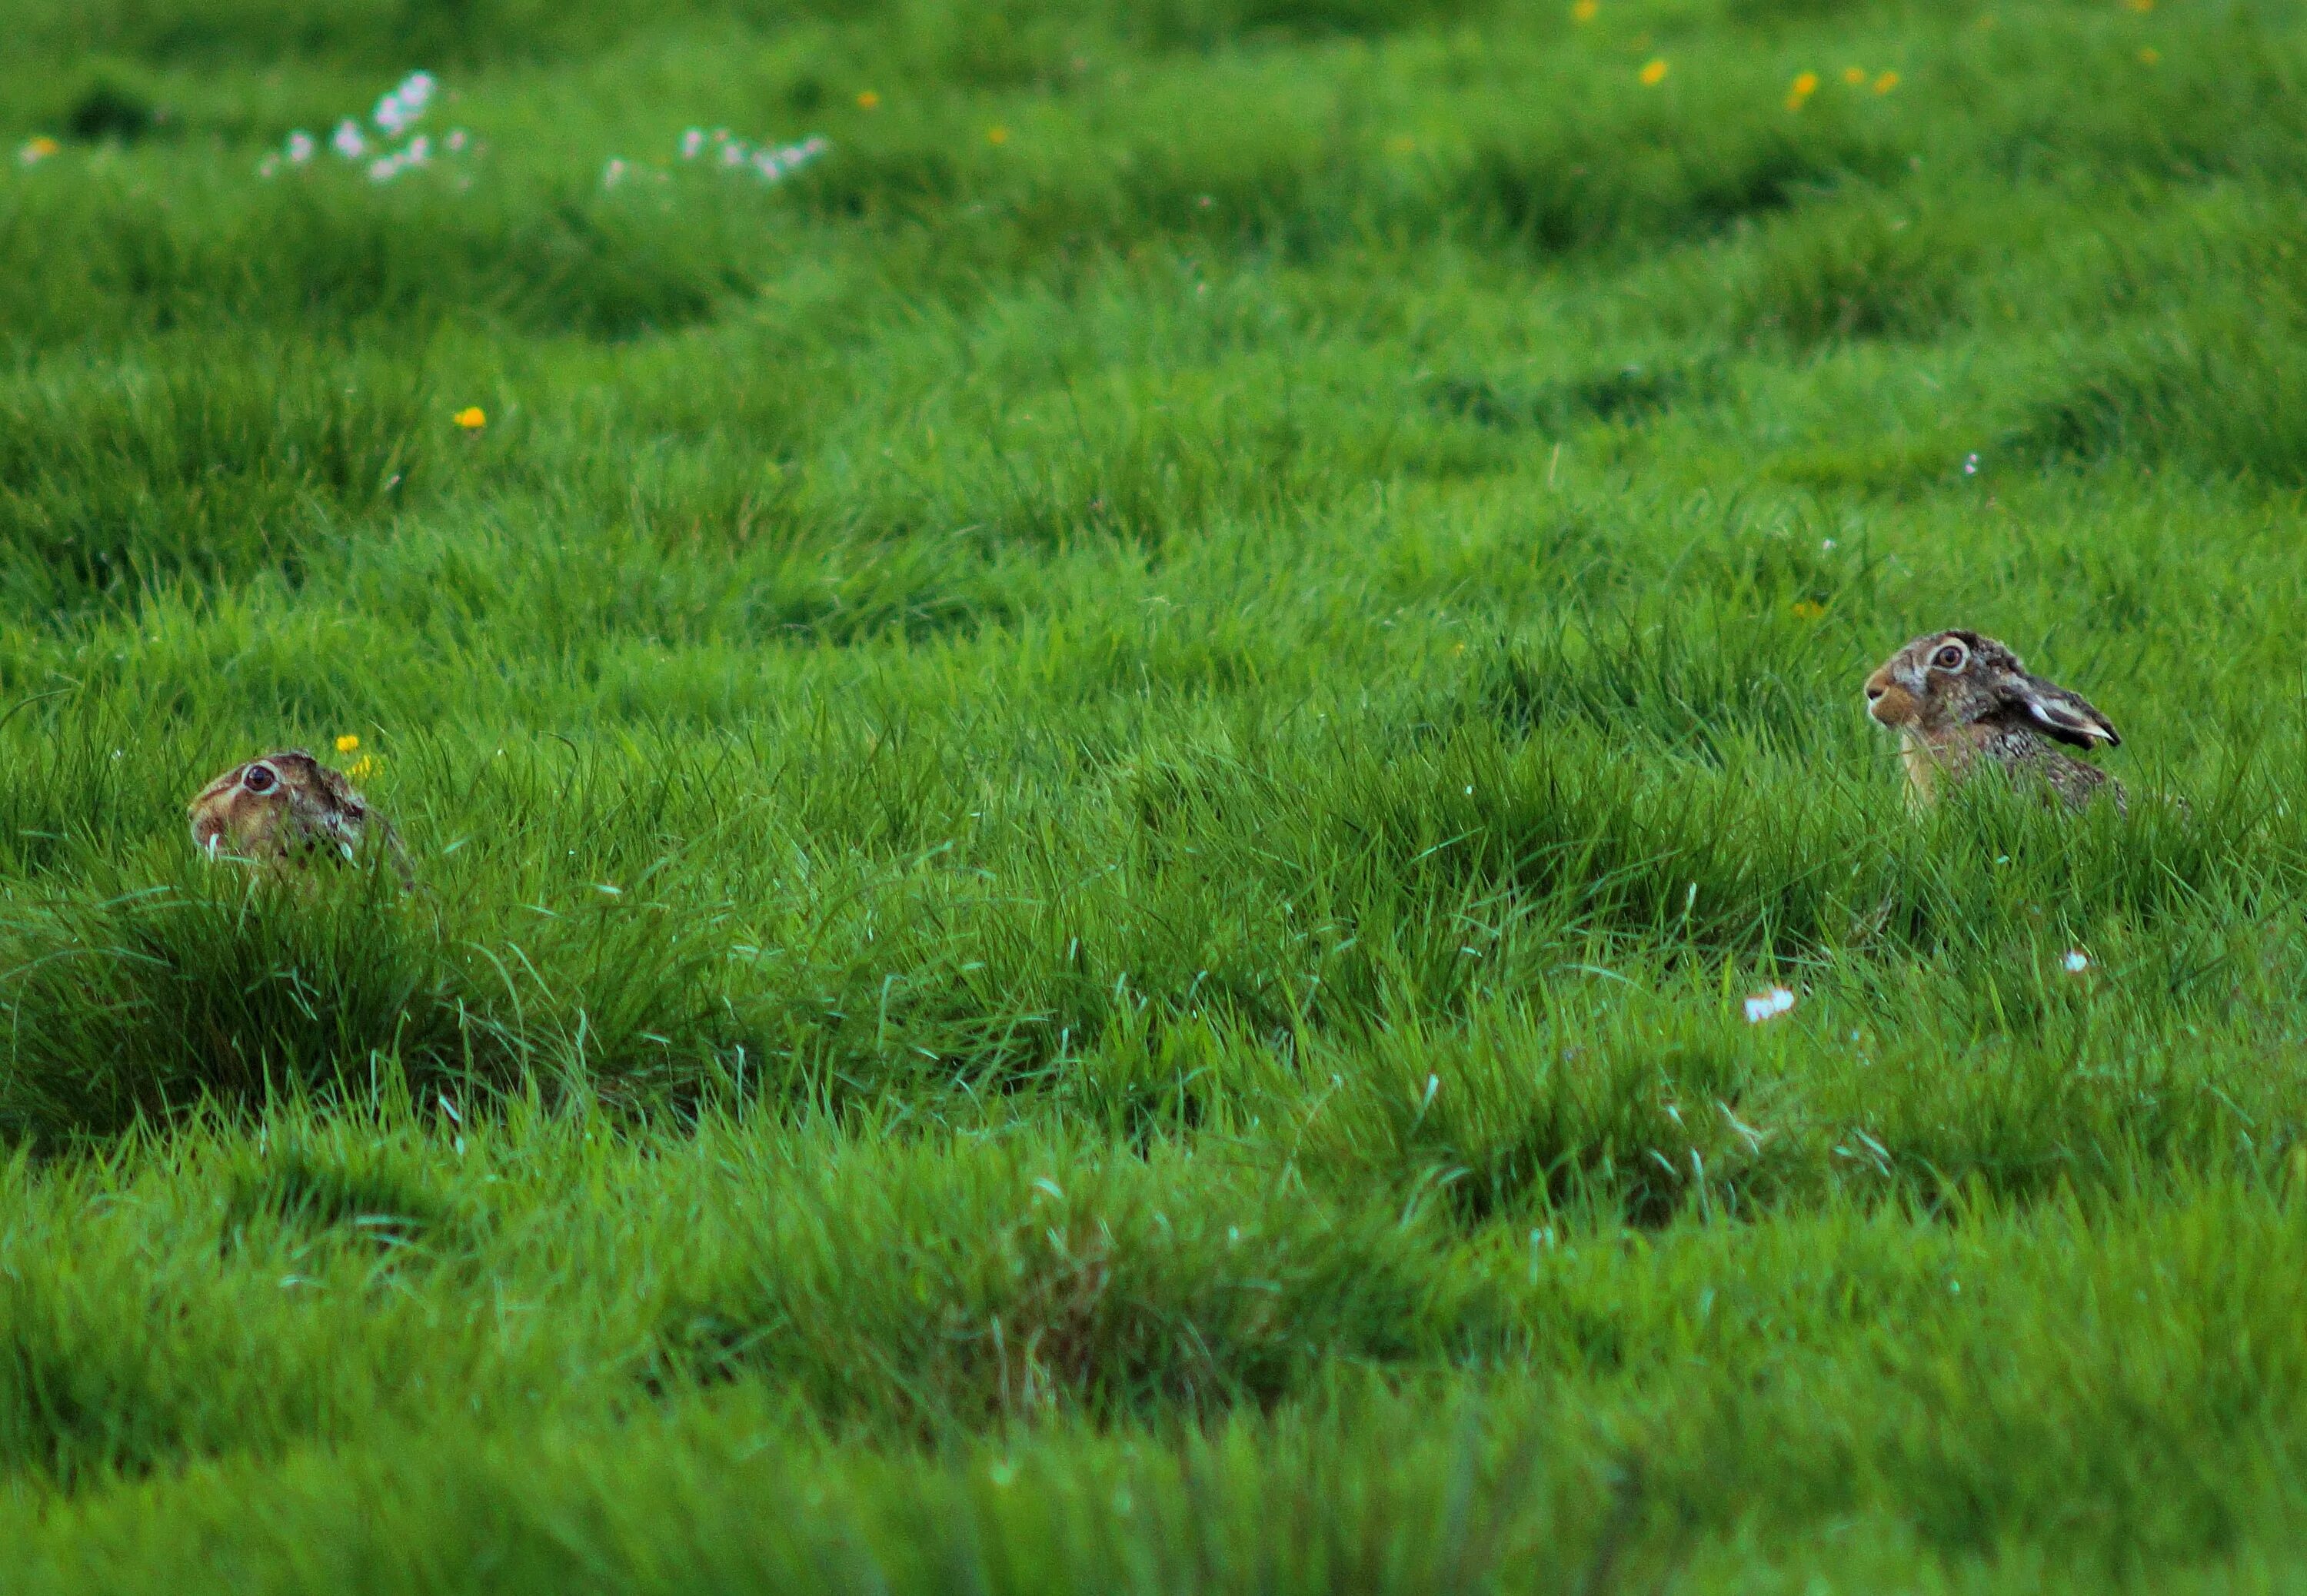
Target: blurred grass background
column 1098, row 784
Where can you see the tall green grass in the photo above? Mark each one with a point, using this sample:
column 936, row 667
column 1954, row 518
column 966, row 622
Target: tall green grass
column 1096, row 787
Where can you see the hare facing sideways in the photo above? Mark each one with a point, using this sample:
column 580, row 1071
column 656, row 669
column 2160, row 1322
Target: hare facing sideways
column 286, row 807
column 1958, row 699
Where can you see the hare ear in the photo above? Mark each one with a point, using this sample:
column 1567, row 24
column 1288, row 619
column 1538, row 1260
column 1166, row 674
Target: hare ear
column 2063, row 715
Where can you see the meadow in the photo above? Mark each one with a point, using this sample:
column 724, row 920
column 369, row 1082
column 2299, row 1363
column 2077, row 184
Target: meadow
column 1098, row 775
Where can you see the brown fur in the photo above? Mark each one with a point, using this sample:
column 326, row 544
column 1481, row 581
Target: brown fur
column 1958, row 699
column 286, row 808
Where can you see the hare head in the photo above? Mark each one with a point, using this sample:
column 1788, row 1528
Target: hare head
column 1959, row 701
column 284, row 808
column 1942, row 682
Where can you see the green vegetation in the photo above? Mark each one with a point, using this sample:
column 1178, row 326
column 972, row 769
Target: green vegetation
column 1098, row 782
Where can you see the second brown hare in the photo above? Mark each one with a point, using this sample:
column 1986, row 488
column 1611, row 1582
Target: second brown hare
column 286, row 809
column 1958, row 700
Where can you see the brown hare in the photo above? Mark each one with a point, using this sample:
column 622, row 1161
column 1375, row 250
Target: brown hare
column 284, row 808
column 1957, row 699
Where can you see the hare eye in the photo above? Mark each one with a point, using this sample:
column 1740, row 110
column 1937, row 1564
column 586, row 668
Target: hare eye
column 1949, row 658
column 260, row 779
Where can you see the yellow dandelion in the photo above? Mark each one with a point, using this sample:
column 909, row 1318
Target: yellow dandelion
column 1854, row 75
column 1654, row 73
column 472, row 418
column 1585, row 11
column 347, row 743
column 36, row 150
column 997, row 135
column 2150, row 56
column 1886, row 83
column 1805, row 85
column 1805, row 610
column 869, row 101
column 362, row 768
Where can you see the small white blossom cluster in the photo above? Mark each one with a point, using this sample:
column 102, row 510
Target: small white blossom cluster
column 721, row 148
column 769, row 163
column 392, row 149
column 1769, row 1004
column 403, row 106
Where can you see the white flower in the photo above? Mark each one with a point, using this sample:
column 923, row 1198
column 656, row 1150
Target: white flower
column 774, row 165
column 1970, row 466
column 2077, row 961
column 348, row 141
column 1769, row 1004
column 301, row 148
column 402, row 107
column 419, row 151
column 455, row 139
column 384, row 170
column 269, row 165
column 771, row 165
column 612, row 174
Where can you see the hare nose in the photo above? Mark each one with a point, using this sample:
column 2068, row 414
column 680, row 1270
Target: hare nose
column 1874, row 691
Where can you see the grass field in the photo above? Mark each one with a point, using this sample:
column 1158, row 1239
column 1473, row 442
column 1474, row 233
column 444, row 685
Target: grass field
column 1098, row 780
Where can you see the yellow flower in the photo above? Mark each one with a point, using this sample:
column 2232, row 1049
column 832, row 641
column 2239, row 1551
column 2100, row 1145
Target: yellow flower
column 1886, row 83
column 36, row 150
column 997, row 135
column 1806, row 611
column 472, row 418
column 1584, row 11
column 1654, row 73
column 347, row 743
column 1854, row 75
column 362, row 768
column 1805, row 85
column 2150, row 55
column 868, row 100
